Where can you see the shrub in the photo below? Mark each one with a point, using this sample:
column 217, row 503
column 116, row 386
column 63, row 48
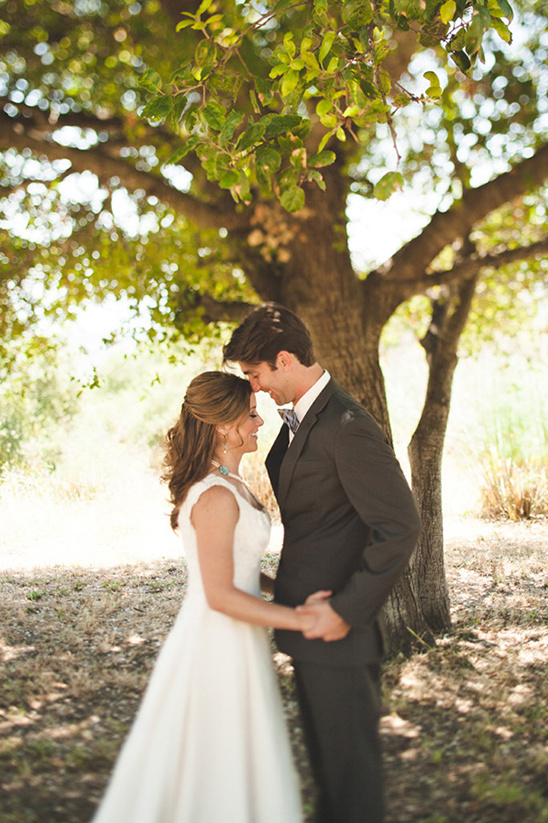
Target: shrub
column 37, row 401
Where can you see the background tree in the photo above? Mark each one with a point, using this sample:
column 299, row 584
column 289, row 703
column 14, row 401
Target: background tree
column 263, row 122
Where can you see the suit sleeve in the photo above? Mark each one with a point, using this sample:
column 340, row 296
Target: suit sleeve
column 377, row 489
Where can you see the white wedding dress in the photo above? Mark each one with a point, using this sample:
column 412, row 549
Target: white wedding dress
column 209, row 743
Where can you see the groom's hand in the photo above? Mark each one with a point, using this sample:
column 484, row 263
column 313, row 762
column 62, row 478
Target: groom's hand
column 318, row 596
column 327, row 624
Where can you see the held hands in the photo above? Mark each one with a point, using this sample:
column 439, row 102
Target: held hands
column 321, row 620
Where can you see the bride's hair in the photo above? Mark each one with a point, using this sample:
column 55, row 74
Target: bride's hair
column 212, row 399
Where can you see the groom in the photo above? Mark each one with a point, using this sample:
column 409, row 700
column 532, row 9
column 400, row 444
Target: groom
column 350, row 526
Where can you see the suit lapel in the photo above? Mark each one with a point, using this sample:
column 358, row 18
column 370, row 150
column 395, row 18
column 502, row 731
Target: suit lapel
column 292, row 454
column 275, row 456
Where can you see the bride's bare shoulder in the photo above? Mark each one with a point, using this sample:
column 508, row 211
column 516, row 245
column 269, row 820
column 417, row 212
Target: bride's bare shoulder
column 215, row 505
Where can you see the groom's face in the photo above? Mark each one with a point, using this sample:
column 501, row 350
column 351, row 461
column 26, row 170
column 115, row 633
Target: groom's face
column 275, row 381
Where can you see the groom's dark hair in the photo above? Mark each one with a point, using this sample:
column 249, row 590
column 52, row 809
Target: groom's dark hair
column 265, row 332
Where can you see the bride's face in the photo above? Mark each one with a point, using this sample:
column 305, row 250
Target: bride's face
column 242, row 435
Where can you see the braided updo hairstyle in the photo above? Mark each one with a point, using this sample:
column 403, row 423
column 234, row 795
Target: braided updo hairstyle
column 212, row 399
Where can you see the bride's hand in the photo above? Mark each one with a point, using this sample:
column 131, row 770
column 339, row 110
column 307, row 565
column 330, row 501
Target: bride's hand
column 318, row 596
column 305, row 622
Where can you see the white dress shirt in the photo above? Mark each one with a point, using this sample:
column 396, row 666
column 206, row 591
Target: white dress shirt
column 308, row 398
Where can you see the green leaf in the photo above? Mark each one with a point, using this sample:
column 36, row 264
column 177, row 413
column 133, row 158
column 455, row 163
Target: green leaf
column 151, row 80
column 462, row 60
column 290, row 82
column 204, row 5
column 242, row 190
column 357, row 13
column 184, row 24
column 216, row 164
column 269, row 159
column 205, row 53
column 189, row 146
column 504, row 7
column 288, row 179
column 474, row 34
column 282, row 5
column 434, row 89
column 401, row 100
column 502, row 29
column 289, row 44
column 287, row 143
column 324, row 158
column 302, row 129
column 250, row 137
column 178, row 105
column 157, row 108
column 387, row 185
column 447, row 11
column 298, row 158
column 229, row 179
column 292, row 199
column 325, row 47
column 254, row 101
column 351, row 111
column 317, row 178
column 214, row 115
column 325, row 139
column 320, row 12
column 309, row 59
column 276, row 124
column 233, row 120
column 278, row 70
column 324, row 107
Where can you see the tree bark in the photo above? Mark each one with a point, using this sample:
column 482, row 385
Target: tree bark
column 426, row 453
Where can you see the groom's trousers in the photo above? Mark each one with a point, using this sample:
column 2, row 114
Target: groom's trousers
column 340, row 708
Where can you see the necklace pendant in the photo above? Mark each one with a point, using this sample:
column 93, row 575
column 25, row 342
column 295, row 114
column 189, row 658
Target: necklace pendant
column 222, row 469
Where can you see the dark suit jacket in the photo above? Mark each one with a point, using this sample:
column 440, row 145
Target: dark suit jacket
column 350, row 523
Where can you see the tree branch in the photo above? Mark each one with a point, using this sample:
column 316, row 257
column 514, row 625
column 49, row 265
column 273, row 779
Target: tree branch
column 14, row 135
column 46, row 121
column 217, row 311
column 467, row 268
column 447, row 227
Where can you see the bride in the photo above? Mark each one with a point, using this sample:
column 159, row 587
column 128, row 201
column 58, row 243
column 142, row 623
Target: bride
column 209, row 742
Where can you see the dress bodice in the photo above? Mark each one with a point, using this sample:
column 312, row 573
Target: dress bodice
column 251, row 537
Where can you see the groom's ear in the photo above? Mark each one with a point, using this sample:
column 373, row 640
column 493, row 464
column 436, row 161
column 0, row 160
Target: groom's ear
column 284, row 360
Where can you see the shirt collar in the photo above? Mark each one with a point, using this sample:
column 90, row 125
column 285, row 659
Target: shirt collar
column 306, row 401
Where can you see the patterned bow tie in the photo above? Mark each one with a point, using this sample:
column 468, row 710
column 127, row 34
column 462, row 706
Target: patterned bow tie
column 289, row 417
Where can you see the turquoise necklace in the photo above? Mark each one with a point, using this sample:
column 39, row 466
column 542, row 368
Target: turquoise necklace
column 224, row 470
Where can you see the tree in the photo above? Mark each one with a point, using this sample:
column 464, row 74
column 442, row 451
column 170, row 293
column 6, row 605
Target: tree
column 202, row 210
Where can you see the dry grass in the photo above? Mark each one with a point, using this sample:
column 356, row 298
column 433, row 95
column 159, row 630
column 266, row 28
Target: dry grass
column 466, row 724
column 515, row 489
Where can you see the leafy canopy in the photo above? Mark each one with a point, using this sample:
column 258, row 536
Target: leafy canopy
column 263, row 77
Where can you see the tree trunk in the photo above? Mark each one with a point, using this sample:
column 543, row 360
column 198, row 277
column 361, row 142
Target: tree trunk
column 318, row 282
column 346, row 322
column 426, row 452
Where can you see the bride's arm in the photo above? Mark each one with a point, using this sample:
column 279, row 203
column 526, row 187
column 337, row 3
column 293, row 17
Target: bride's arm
column 214, row 518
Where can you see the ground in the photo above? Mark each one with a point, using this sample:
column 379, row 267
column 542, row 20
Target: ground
column 465, row 722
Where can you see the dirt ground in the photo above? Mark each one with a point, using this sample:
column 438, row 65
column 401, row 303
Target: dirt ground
column 465, row 725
